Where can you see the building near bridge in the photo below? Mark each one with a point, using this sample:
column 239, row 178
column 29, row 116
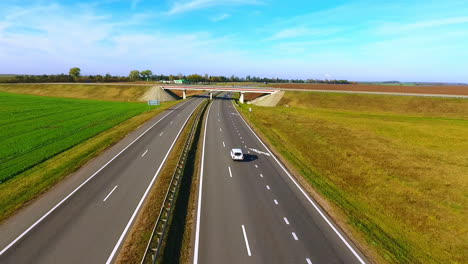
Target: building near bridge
column 181, row 81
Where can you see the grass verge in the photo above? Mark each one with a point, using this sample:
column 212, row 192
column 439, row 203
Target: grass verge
column 134, row 246
column 394, row 167
column 28, row 185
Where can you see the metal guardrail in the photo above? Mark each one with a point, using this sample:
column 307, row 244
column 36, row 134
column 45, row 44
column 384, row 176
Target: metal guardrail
column 157, row 236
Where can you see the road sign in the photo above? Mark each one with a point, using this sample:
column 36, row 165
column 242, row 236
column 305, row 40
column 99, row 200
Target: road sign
column 153, row 102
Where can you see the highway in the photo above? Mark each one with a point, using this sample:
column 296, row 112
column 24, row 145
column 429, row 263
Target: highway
column 254, row 211
column 85, row 218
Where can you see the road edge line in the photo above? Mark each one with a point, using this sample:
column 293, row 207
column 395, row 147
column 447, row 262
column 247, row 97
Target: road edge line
column 200, row 189
column 127, row 227
column 79, row 187
column 306, row 195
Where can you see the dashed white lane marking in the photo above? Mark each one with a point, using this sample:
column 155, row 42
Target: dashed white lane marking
column 308, row 261
column 161, row 133
column 248, row 152
column 223, row 144
column 256, row 166
column 245, row 146
column 276, row 202
column 172, row 122
column 230, row 173
column 268, row 187
column 246, row 241
column 286, row 220
column 261, row 175
column 240, row 137
column 294, row 235
column 218, row 120
column 220, row 130
column 110, row 193
column 243, row 142
column 307, row 197
column 144, row 153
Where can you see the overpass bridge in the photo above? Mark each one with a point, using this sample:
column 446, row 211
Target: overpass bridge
column 240, row 89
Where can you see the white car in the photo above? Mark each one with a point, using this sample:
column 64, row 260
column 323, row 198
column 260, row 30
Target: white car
column 236, row 154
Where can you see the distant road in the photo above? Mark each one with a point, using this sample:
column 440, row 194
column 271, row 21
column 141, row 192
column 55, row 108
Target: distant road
column 254, row 211
column 85, row 218
column 381, row 93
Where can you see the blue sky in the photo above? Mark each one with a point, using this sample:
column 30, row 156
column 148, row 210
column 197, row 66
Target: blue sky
column 333, row 39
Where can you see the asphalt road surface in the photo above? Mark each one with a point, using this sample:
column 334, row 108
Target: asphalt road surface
column 86, row 218
column 253, row 211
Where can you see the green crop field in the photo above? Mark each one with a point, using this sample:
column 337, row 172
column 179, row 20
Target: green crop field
column 394, row 169
column 34, row 128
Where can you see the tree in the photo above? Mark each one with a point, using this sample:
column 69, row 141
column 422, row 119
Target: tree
column 75, row 72
column 146, row 74
column 195, row 78
column 134, row 75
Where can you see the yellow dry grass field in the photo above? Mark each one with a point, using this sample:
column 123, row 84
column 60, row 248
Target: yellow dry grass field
column 395, row 166
column 109, row 92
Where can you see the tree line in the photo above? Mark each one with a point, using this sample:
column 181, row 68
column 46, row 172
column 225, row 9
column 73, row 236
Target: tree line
column 74, row 75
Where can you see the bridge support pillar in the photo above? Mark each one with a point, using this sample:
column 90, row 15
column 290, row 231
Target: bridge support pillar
column 184, row 94
column 241, row 98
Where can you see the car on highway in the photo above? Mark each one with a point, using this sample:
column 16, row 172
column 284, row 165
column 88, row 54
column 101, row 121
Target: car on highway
column 236, row 154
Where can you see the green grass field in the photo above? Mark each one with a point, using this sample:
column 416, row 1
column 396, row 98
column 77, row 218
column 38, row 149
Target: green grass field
column 36, row 128
column 395, row 167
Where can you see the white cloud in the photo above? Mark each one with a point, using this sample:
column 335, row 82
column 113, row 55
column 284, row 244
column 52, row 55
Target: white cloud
column 220, row 17
column 187, row 6
column 135, row 3
column 99, row 43
column 398, row 28
column 301, row 32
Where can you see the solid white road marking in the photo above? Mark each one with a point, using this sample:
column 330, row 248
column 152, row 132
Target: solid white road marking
column 268, row 187
column 200, row 191
column 259, row 152
column 276, row 202
column 117, row 245
column 261, row 175
column 246, row 241
column 144, row 153
column 286, row 220
column 80, row 186
column 307, row 196
column 230, row 173
column 294, row 235
column 161, row 133
column 308, row 261
column 223, row 144
column 110, row 193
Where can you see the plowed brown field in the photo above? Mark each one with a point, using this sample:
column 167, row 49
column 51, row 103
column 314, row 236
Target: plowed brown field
column 453, row 90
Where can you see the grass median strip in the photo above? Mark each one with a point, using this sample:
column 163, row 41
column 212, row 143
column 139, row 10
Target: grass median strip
column 395, row 167
column 50, row 169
